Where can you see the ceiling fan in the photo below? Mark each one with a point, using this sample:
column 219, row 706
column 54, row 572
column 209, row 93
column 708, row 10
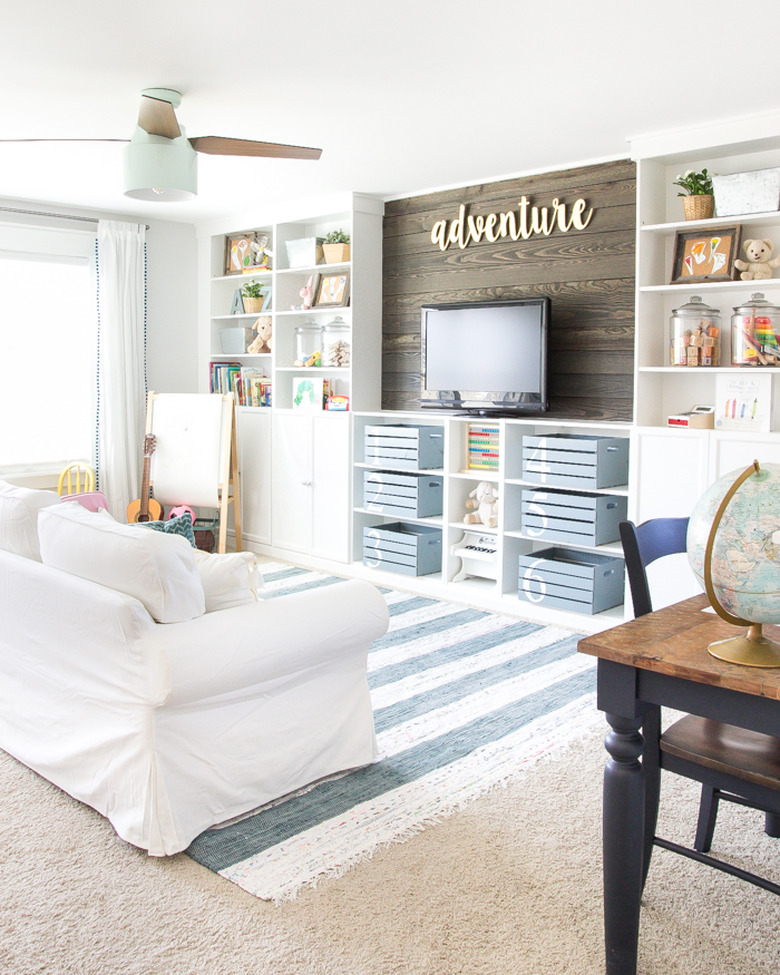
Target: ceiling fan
column 161, row 163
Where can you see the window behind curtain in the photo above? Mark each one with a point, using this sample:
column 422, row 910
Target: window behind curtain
column 48, row 331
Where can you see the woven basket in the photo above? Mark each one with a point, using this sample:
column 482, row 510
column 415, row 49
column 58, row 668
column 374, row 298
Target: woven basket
column 698, row 207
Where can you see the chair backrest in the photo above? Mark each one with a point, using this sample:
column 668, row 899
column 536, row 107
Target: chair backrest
column 76, row 478
column 91, row 500
column 642, row 545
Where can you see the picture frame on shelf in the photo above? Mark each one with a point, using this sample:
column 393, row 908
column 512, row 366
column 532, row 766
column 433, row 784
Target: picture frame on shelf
column 332, row 290
column 239, row 255
column 701, row 256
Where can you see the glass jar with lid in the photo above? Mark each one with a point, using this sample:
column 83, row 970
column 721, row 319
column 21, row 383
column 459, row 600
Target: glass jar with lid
column 335, row 343
column 695, row 334
column 754, row 333
column 308, row 344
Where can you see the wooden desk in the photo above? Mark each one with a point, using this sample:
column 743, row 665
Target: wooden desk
column 660, row 660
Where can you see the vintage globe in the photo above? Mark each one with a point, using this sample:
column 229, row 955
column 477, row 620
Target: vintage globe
column 734, row 551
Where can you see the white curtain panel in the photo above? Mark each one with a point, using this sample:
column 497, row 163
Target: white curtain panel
column 122, row 366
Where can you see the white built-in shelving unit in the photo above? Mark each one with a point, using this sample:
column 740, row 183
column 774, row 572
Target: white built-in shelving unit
column 296, row 464
column 500, row 593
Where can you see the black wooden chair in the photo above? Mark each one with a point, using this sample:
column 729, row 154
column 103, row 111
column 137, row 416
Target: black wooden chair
column 731, row 763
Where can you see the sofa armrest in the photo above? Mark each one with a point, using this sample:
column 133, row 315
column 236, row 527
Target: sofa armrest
column 272, row 640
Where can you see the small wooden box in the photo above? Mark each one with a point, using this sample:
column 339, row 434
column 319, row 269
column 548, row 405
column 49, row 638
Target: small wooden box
column 412, row 550
column 405, row 447
column 394, row 493
column 564, row 578
column 574, row 460
column 573, row 517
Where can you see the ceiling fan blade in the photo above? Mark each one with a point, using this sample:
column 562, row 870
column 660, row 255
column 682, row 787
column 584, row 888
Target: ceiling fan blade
column 217, row 145
column 64, row 140
column 157, row 117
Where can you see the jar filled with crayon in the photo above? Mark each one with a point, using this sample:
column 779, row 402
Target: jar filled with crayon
column 754, row 333
column 695, row 334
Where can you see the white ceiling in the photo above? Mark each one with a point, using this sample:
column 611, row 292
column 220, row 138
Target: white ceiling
column 402, row 97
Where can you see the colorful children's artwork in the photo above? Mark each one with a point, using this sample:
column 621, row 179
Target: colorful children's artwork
column 702, row 256
column 743, row 402
column 309, row 393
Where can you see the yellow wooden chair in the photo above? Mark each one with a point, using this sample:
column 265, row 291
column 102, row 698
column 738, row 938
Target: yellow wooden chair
column 76, row 478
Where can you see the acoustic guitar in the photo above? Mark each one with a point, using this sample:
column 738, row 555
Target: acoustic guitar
column 145, row 508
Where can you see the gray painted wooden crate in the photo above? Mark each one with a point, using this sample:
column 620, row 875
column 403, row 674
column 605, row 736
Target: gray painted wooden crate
column 575, row 460
column 412, row 550
column 394, row 493
column 564, row 578
column 573, row 517
column 406, row 446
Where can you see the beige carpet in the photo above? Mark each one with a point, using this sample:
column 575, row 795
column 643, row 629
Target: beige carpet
column 509, row 885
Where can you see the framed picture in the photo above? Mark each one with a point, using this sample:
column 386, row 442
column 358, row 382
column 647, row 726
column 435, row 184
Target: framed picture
column 238, row 253
column 332, row 289
column 706, row 255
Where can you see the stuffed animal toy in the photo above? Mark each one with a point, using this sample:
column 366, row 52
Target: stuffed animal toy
column 307, row 294
column 482, row 505
column 262, row 341
column 758, row 267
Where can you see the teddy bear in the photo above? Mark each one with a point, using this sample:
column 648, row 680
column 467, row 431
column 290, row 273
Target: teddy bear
column 482, row 505
column 262, row 341
column 758, row 267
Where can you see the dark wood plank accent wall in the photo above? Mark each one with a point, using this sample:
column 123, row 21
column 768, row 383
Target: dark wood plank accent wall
column 588, row 275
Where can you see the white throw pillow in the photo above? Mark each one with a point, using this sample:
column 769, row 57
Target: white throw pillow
column 19, row 509
column 229, row 579
column 156, row 568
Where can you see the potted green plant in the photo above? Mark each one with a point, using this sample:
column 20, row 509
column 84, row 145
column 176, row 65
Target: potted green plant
column 335, row 247
column 252, row 296
column 698, row 198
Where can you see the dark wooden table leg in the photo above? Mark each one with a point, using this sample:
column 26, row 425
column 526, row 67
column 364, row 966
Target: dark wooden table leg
column 623, row 840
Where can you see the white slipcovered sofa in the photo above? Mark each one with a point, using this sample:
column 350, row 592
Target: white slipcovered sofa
column 118, row 686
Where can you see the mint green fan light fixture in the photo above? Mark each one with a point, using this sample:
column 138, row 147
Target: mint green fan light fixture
column 161, row 163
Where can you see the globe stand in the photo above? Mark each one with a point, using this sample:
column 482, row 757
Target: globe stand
column 751, row 650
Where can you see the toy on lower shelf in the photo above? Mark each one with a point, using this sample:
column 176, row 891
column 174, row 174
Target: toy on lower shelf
column 482, row 505
column 478, row 555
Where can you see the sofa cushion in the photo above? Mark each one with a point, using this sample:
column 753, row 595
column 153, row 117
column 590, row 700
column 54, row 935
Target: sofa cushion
column 19, row 509
column 180, row 525
column 158, row 569
column 229, row 579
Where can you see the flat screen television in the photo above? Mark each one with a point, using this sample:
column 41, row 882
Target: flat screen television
column 486, row 357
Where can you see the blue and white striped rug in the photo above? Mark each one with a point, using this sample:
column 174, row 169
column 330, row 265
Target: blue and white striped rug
column 463, row 700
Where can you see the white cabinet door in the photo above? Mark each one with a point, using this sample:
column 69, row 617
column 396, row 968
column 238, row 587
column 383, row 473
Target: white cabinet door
column 332, row 504
column 311, row 479
column 254, row 466
column 291, row 482
column 736, row 451
column 670, row 472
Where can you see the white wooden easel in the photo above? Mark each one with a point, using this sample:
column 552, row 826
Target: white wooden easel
column 195, row 461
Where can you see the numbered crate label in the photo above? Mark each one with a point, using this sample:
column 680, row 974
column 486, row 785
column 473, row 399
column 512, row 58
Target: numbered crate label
column 413, row 550
column 532, row 583
column 407, row 447
column 393, row 493
column 575, row 460
column 573, row 517
column 564, row 578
